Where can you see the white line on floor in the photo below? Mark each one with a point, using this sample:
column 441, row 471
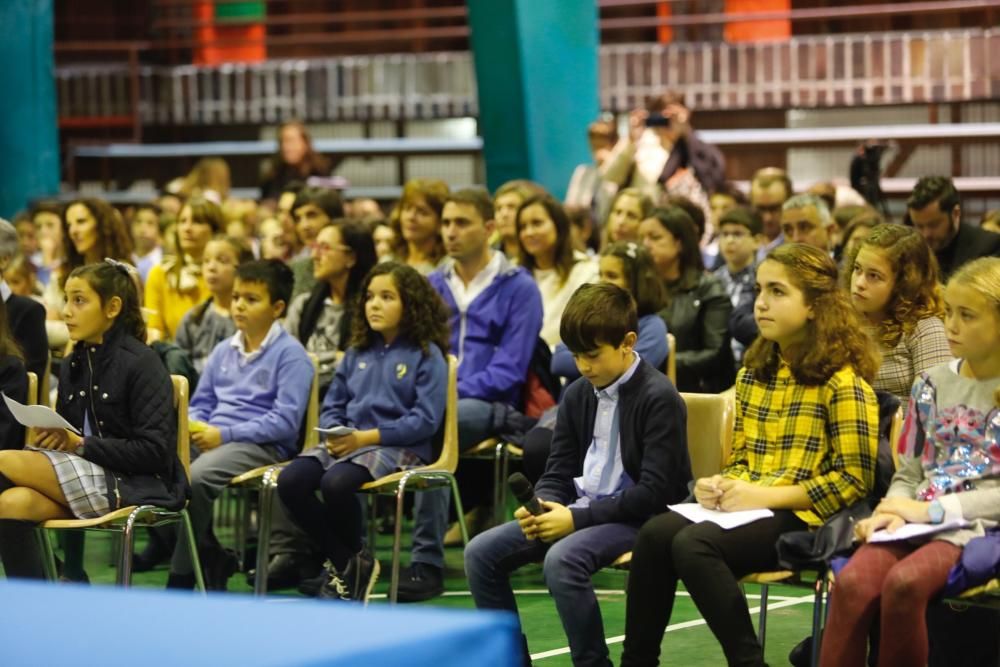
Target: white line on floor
column 600, row 591
column 787, row 602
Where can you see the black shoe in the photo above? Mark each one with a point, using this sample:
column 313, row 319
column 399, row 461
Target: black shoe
column 420, row 582
column 801, row 655
column 183, row 582
column 311, row 585
column 361, row 574
column 335, row 587
column 218, row 567
column 287, row 570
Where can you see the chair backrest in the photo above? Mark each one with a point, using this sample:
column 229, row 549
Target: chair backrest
column 709, row 431
column 894, row 433
column 448, row 459
column 672, row 358
column 45, row 384
column 31, row 399
column 311, row 436
column 180, row 384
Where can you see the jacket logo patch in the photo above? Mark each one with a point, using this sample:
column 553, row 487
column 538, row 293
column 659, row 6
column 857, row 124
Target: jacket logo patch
column 362, row 365
column 400, row 371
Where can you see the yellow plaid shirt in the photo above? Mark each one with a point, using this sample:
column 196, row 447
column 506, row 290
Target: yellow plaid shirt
column 823, row 437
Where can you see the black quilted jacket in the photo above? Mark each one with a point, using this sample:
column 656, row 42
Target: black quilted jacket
column 126, row 392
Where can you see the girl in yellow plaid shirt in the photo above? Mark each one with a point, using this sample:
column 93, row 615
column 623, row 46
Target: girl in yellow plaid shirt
column 804, row 446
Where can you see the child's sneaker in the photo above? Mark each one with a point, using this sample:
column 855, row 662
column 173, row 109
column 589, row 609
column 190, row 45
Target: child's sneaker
column 361, row 574
column 335, row 588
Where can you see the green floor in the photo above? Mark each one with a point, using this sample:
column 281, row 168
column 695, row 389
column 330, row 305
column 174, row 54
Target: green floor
column 688, row 642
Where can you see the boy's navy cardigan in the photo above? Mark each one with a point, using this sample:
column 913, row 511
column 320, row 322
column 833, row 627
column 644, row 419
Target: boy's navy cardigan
column 652, row 423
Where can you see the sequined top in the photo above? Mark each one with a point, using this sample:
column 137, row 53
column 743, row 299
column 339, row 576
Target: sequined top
column 949, row 449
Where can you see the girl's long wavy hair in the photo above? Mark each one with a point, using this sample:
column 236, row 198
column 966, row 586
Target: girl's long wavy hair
column 113, row 237
column 916, row 294
column 643, row 281
column 983, row 277
column 835, row 337
column 424, row 321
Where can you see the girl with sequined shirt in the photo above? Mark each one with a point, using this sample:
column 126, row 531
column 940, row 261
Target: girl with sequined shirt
column 949, row 470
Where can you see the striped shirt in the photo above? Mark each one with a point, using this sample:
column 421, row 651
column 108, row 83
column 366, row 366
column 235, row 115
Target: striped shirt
column 822, row 437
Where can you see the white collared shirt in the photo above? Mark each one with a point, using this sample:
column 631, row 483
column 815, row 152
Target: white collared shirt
column 237, row 341
column 465, row 294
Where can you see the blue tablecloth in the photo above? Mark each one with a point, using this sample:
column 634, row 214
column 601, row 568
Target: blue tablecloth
column 47, row 624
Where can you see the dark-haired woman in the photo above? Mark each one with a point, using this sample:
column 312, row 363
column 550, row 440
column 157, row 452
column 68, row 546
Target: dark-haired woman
column 698, row 308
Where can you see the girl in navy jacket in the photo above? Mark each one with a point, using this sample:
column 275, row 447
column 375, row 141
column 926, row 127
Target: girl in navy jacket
column 115, row 391
column 390, row 388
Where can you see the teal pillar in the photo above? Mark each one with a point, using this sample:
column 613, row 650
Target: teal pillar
column 29, row 158
column 536, row 71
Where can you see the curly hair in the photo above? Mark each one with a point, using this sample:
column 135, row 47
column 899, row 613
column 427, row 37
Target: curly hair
column 916, row 293
column 836, row 337
column 432, row 191
column 113, row 238
column 424, row 319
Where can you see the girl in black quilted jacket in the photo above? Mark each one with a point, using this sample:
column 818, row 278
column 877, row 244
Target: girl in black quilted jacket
column 117, row 395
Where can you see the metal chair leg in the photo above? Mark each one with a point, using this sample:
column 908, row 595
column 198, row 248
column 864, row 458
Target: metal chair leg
column 199, row 579
column 498, row 482
column 125, row 553
column 817, row 620
column 264, row 506
column 397, row 539
column 48, row 554
column 762, row 620
column 458, row 508
column 372, row 521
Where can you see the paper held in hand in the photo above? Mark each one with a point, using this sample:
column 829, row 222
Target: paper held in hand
column 37, row 416
column 912, row 530
column 696, row 513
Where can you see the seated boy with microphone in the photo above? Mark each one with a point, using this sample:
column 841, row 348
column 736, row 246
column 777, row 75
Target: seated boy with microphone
column 619, row 456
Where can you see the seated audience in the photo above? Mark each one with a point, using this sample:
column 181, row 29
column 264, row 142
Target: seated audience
column 740, row 234
column 698, row 308
column 47, row 216
column 384, row 239
column 209, row 323
column 629, row 207
column 147, row 240
column 495, row 315
column 25, row 315
column 391, row 390
column 991, row 221
column 13, row 383
column 893, row 283
column 313, row 209
column 547, row 253
column 507, row 200
column 806, row 219
column 247, row 411
column 606, row 475
column 417, row 223
column 856, row 231
column 770, row 188
column 177, row 285
column 128, row 429
column 935, row 210
column 940, row 478
column 804, row 446
column 587, row 189
column 343, row 253
column 295, row 161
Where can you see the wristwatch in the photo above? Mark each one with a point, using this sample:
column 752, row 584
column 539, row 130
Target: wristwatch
column 936, row 511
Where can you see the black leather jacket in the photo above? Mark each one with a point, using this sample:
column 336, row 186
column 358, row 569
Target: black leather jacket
column 698, row 316
column 126, row 393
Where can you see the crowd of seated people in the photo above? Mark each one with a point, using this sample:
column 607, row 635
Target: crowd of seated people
column 807, row 303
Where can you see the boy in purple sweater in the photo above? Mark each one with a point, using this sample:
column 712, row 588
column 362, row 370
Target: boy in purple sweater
column 247, row 410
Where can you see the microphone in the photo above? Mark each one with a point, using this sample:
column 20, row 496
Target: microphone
column 525, row 493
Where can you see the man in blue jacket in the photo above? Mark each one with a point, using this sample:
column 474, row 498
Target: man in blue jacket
column 495, row 318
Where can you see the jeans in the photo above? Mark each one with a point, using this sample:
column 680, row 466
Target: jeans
column 568, row 565
column 430, row 508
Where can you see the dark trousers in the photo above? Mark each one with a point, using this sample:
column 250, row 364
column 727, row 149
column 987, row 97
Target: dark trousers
column 710, row 561
column 336, row 522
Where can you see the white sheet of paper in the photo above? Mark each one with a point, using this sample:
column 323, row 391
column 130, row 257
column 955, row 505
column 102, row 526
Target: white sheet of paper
column 911, row 530
column 696, row 513
column 336, row 431
column 37, row 416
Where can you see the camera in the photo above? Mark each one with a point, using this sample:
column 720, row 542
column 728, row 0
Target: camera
column 657, row 120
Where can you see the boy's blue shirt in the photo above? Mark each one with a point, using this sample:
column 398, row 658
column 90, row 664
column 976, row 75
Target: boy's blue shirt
column 261, row 401
column 653, row 443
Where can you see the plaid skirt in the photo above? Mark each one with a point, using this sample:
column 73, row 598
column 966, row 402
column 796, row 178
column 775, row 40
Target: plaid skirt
column 84, row 484
column 379, row 461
